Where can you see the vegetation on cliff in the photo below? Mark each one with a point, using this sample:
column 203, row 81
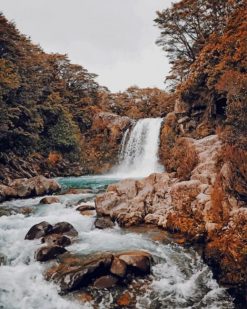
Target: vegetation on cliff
column 48, row 107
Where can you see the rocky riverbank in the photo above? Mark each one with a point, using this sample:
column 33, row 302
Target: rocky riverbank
column 28, row 187
column 188, row 207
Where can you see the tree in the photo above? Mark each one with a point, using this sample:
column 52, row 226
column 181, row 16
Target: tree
column 186, row 27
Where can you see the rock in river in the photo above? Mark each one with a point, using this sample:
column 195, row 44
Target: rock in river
column 39, row 230
column 105, row 282
column 104, row 270
column 64, row 228
column 57, row 240
column 47, row 253
column 49, row 200
column 103, row 223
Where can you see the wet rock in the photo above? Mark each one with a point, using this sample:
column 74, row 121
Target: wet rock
column 118, row 267
column 130, row 219
column 9, row 211
column 103, row 270
column 3, row 259
column 103, row 223
column 129, row 201
column 78, row 191
column 24, row 187
column 35, row 186
column 56, row 240
column 105, row 282
column 39, row 230
column 84, row 297
column 64, row 228
column 47, row 253
column 85, row 207
column 49, row 200
column 124, row 300
column 74, row 272
column 140, row 262
column 6, row 192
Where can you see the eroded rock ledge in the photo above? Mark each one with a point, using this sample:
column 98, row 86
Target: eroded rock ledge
column 24, row 187
column 187, row 207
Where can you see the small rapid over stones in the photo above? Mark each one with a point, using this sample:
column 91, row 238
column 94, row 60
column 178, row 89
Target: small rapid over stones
column 178, row 277
column 139, row 150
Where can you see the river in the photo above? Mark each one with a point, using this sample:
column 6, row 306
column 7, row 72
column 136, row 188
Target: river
column 179, row 278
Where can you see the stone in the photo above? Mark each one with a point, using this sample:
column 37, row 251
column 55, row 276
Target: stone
column 56, row 240
column 139, row 261
column 118, row 267
column 105, row 282
column 105, row 202
column 130, row 219
column 35, row 186
column 84, row 297
column 39, row 230
column 47, row 253
column 49, row 200
column 78, row 191
column 125, row 187
column 9, row 211
column 124, row 300
column 74, row 272
column 64, row 228
column 3, row 259
column 28, row 187
column 85, row 207
column 104, row 223
column 6, row 192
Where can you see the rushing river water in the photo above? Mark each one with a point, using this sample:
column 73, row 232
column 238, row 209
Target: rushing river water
column 179, row 278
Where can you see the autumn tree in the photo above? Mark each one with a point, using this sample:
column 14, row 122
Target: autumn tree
column 186, row 27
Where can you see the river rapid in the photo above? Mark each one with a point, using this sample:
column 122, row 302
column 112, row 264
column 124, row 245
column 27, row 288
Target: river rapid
column 179, row 278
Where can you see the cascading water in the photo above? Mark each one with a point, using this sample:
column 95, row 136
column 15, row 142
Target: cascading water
column 139, row 150
column 179, row 278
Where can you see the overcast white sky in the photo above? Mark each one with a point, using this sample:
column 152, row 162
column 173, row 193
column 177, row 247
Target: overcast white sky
column 112, row 38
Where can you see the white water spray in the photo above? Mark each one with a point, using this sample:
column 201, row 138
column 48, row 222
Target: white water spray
column 139, row 150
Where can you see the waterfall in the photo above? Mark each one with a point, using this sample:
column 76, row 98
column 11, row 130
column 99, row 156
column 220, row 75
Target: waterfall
column 139, row 150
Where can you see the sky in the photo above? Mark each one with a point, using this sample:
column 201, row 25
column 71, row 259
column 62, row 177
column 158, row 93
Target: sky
column 113, row 38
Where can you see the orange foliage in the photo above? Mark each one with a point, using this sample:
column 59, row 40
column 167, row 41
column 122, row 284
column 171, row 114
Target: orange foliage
column 54, row 158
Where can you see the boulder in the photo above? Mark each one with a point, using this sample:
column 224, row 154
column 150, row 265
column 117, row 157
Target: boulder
column 47, row 253
column 7, row 192
column 35, row 186
column 78, row 191
column 64, row 228
column 103, row 223
column 139, row 261
column 118, row 267
column 85, row 207
column 8, row 211
column 56, row 240
column 105, row 282
column 74, row 272
column 27, row 187
column 39, row 230
column 3, row 259
column 130, row 219
column 104, row 270
column 124, row 300
column 49, row 200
